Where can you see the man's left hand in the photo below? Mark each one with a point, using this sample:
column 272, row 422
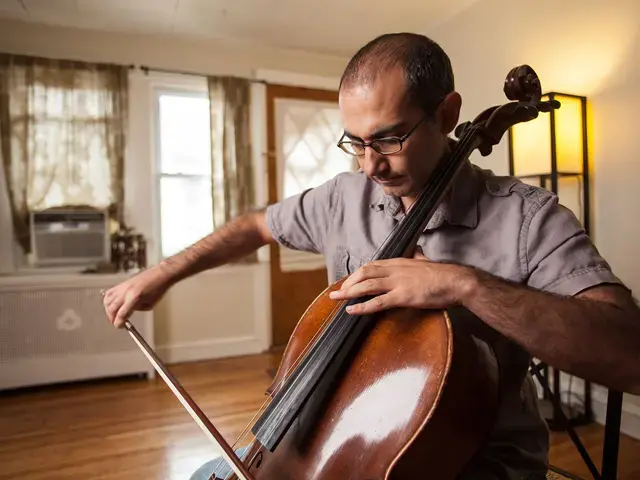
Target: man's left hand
column 405, row 282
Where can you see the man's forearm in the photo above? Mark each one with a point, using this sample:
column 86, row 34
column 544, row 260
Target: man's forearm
column 234, row 240
column 593, row 339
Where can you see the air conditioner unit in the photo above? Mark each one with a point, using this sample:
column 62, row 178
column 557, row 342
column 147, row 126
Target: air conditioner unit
column 70, row 237
column 53, row 328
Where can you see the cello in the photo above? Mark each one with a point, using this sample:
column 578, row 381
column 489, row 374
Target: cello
column 391, row 395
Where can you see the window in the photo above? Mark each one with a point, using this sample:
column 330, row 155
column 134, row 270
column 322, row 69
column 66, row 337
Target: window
column 308, row 131
column 64, row 136
column 68, row 148
column 184, row 169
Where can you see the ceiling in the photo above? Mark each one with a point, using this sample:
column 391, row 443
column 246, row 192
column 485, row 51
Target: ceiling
column 336, row 27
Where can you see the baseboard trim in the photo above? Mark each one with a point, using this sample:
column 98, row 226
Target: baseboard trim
column 210, row 349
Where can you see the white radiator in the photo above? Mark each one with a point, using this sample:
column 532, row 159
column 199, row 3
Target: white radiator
column 53, row 328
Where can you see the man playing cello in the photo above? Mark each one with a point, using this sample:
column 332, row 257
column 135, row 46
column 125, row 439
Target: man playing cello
column 506, row 251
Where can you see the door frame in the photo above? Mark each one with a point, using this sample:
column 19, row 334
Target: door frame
column 274, row 92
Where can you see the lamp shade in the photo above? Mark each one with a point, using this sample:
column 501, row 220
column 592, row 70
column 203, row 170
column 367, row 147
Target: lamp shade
column 551, row 151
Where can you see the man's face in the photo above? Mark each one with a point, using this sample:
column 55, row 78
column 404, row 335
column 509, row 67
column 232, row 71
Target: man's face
column 383, row 110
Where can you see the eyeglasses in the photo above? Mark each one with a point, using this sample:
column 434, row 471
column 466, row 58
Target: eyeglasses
column 384, row 146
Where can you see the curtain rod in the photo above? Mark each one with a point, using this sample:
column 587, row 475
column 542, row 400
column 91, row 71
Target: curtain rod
column 146, row 70
column 131, row 66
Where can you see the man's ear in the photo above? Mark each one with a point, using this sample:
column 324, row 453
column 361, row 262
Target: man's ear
column 449, row 112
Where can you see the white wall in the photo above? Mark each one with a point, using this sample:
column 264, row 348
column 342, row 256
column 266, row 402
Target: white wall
column 584, row 47
column 222, row 312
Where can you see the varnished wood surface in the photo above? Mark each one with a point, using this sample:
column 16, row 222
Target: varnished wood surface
column 366, row 417
column 135, row 429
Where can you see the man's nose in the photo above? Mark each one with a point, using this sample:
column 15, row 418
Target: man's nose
column 374, row 162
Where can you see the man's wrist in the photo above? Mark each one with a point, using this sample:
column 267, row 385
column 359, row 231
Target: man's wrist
column 466, row 285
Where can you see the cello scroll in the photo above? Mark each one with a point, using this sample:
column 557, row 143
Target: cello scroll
column 521, row 85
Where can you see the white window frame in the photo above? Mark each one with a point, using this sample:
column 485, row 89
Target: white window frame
column 160, row 83
column 147, row 113
column 158, row 175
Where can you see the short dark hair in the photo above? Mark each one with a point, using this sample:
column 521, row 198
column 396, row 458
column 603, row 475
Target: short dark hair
column 426, row 66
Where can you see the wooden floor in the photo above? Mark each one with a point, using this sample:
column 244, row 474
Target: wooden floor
column 136, row 429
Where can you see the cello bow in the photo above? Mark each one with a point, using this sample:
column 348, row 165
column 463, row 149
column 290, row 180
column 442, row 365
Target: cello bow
column 187, row 402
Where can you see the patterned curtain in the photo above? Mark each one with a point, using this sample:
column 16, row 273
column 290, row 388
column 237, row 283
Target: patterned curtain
column 62, row 132
column 232, row 166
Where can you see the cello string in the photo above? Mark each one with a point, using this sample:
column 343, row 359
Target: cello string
column 214, row 474
column 451, row 163
column 320, row 335
column 221, row 463
column 450, row 168
column 245, row 432
column 252, row 422
column 317, row 337
column 284, row 377
column 443, row 172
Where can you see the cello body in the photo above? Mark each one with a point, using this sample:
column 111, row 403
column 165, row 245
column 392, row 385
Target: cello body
column 417, row 400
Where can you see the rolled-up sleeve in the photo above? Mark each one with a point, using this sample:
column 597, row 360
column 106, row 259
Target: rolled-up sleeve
column 559, row 255
column 302, row 222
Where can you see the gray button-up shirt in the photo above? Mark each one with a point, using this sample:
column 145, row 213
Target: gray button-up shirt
column 498, row 224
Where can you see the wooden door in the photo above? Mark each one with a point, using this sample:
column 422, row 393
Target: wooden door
column 303, row 128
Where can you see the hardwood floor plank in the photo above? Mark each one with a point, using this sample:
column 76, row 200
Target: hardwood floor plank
column 132, row 428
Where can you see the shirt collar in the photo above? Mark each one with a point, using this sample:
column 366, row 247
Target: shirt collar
column 460, row 206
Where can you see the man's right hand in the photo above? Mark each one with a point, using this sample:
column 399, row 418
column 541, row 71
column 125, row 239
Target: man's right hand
column 140, row 292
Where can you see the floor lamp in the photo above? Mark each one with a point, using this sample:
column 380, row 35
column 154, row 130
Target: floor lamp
column 552, row 152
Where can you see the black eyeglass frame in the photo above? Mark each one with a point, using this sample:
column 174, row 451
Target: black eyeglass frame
column 372, row 143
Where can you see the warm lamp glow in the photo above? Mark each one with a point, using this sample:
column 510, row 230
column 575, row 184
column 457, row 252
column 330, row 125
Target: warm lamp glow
column 533, row 147
column 569, row 124
column 550, row 151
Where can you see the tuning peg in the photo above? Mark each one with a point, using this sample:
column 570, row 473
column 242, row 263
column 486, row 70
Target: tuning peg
column 548, row 105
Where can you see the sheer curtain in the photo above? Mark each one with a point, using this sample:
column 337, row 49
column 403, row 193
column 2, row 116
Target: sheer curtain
column 62, row 133
column 232, row 167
